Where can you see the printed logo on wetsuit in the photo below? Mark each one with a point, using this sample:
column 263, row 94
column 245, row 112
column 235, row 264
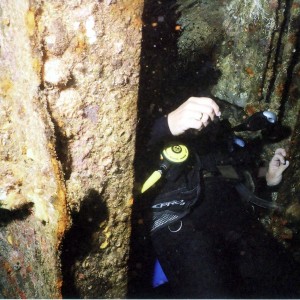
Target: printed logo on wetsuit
column 168, row 204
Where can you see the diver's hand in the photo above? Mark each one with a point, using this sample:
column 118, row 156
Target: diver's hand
column 193, row 113
column 276, row 167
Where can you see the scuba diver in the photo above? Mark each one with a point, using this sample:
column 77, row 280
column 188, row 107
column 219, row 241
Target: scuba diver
column 208, row 241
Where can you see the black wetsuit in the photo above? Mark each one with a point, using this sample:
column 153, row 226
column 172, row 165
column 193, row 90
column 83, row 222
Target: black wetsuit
column 220, row 249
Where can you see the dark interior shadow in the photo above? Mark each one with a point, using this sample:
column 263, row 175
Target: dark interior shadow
column 158, row 53
column 62, row 148
column 165, row 81
column 78, row 241
column 21, row 213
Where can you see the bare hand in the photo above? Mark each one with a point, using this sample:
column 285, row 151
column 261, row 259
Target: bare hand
column 276, row 167
column 196, row 112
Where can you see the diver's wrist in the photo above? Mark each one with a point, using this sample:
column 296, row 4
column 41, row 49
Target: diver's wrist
column 273, row 180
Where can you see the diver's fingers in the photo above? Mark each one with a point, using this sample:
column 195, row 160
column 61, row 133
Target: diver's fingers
column 277, row 166
column 187, row 115
column 206, row 105
column 184, row 117
column 196, row 124
column 280, row 151
column 205, row 119
column 200, row 106
column 279, row 157
column 208, row 111
column 284, row 166
column 277, row 160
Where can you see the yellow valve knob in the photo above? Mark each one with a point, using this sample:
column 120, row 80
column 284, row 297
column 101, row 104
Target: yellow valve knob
column 176, row 153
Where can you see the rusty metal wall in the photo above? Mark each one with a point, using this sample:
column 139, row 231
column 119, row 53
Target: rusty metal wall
column 68, row 87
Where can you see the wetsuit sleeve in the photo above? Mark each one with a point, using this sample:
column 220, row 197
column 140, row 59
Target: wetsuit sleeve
column 265, row 191
column 160, row 132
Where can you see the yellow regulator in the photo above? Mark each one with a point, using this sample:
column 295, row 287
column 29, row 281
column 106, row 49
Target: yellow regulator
column 176, row 153
column 172, row 154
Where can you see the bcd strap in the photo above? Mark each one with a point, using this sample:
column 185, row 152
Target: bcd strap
column 247, row 195
column 229, row 173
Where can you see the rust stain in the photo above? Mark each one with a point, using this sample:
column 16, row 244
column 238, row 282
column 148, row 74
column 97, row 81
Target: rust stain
column 22, row 295
column 279, row 89
column 130, row 202
column 28, row 269
column 60, row 202
column 249, row 71
column 292, row 38
column 250, row 109
column 59, row 284
column 131, row 8
column 295, row 5
column 273, row 4
column 81, row 44
column 12, row 280
column 137, row 22
column 6, row 266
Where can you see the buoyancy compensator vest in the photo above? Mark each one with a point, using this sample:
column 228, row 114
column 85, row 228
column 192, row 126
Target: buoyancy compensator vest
column 175, row 202
column 177, row 186
column 181, row 175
